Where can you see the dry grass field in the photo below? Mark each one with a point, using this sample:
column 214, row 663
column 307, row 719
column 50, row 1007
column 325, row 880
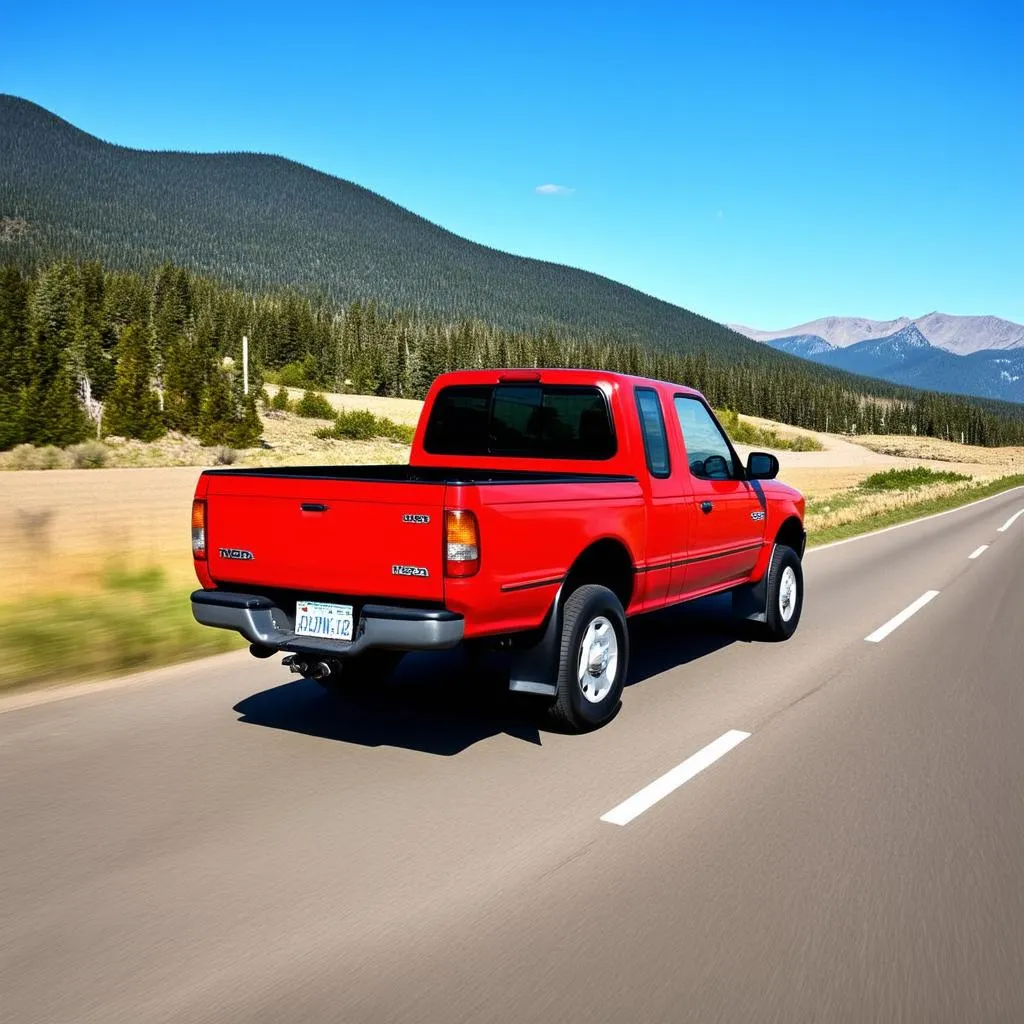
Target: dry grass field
column 61, row 529
column 934, row 449
column 400, row 410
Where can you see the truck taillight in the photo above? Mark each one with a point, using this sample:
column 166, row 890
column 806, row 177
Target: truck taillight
column 199, row 529
column 461, row 543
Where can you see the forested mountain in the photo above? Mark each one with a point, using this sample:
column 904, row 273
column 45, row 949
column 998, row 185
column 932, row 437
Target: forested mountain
column 263, row 222
column 84, row 349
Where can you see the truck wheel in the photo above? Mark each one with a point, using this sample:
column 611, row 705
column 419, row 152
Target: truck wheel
column 593, row 659
column 352, row 676
column 785, row 595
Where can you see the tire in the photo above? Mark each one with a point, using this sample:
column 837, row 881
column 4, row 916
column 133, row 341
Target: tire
column 785, row 595
column 585, row 699
column 352, row 676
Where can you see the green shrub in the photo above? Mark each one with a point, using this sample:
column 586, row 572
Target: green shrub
column 314, row 406
column 225, row 456
column 28, row 456
column 355, row 425
column 763, row 437
column 23, row 456
column 805, row 443
column 281, row 402
column 89, row 455
column 292, row 375
column 362, row 425
column 398, row 431
column 746, row 433
column 50, row 457
column 904, row 479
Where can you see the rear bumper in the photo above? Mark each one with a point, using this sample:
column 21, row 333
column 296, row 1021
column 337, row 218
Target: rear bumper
column 264, row 623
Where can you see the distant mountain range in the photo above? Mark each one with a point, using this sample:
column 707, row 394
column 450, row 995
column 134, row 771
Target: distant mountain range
column 961, row 335
column 967, row 355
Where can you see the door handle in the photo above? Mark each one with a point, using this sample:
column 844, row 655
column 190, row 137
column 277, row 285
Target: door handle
column 313, row 506
column 706, row 506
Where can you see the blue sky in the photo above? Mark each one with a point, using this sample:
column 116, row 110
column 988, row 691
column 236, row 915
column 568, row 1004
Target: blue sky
column 759, row 163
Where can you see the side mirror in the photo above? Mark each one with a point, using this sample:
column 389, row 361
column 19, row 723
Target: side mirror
column 762, row 466
column 716, row 468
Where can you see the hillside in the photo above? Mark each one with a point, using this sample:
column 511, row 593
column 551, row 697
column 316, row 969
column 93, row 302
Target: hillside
column 263, row 222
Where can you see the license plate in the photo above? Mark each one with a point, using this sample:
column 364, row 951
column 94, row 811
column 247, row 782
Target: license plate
column 328, row 621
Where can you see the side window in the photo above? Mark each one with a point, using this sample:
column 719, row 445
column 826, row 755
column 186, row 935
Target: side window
column 704, row 441
column 652, row 425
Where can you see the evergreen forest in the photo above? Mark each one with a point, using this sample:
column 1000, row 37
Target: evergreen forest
column 89, row 350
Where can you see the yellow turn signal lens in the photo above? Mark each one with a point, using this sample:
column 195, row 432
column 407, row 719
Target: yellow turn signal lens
column 199, row 529
column 462, row 543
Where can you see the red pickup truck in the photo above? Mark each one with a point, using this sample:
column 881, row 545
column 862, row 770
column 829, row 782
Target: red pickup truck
column 539, row 510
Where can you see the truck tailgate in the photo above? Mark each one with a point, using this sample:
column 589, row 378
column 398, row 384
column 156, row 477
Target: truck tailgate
column 322, row 535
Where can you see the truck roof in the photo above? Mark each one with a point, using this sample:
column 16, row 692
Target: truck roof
column 553, row 375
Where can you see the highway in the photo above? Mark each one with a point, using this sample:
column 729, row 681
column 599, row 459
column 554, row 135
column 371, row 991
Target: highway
column 215, row 842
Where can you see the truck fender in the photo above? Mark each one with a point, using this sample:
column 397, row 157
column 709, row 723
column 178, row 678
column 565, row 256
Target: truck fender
column 533, row 667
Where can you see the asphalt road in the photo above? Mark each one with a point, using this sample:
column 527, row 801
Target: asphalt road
column 215, row 842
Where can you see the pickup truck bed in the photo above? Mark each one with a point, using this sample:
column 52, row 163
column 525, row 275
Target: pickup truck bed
column 361, row 530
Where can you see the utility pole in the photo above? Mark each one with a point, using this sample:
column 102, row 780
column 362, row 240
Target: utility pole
column 245, row 364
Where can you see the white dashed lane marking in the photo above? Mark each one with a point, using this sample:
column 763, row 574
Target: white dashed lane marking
column 1009, row 522
column 897, row 620
column 660, row 788
column 978, row 552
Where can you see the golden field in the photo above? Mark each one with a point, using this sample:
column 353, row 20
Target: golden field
column 61, row 529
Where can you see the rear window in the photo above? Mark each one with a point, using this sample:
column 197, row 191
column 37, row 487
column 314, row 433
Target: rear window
column 524, row 420
column 652, row 423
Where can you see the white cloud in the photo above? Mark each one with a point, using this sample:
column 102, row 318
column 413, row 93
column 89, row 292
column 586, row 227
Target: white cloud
column 554, row 190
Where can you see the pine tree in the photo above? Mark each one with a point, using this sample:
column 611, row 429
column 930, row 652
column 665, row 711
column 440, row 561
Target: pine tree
column 185, row 381
column 228, row 417
column 62, row 420
column 132, row 409
column 246, row 430
column 10, row 420
column 15, row 365
column 15, row 370
column 217, row 411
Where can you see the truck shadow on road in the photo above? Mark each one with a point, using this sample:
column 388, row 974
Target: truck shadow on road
column 443, row 703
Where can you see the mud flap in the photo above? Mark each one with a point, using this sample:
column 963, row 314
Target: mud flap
column 751, row 602
column 535, row 668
